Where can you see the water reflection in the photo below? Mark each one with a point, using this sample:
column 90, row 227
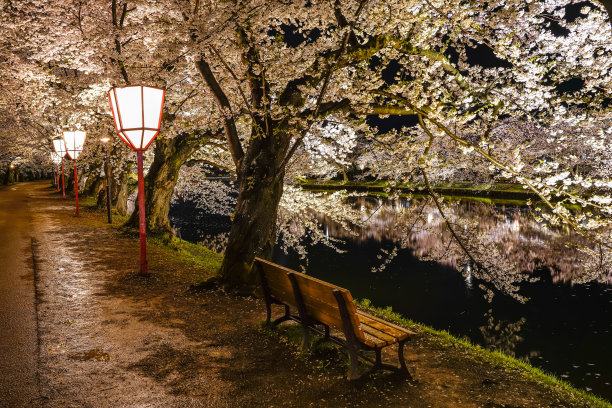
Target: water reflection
column 502, row 335
column 510, row 233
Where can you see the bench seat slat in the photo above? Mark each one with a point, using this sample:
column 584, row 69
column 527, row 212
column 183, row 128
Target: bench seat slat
column 381, row 339
column 390, row 330
column 386, row 323
column 321, row 303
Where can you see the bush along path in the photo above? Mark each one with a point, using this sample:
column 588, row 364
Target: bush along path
column 109, row 337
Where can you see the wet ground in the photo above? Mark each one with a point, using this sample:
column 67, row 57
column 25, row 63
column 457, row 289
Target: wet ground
column 18, row 336
column 107, row 337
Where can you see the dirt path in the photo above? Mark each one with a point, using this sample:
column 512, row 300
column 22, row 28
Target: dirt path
column 109, row 338
column 18, row 336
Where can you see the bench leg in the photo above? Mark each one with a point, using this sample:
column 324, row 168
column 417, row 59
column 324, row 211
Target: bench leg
column 402, row 361
column 281, row 319
column 305, row 337
column 268, row 312
column 354, row 360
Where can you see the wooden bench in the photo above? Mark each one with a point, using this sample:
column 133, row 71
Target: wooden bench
column 320, row 303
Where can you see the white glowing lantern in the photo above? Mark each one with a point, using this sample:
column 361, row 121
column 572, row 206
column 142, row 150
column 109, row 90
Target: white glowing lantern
column 74, row 143
column 60, row 147
column 137, row 111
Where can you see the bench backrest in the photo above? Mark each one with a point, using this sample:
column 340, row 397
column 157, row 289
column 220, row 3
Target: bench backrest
column 277, row 280
column 318, row 296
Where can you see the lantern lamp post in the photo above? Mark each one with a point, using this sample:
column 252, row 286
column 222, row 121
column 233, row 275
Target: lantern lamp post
column 107, row 171
column 137, row 111
column 74, row 146
column 60, row 148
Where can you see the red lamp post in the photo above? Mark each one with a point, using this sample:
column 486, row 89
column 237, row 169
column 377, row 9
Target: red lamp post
column 137, row 111
column 60, row 148
column 74, row 146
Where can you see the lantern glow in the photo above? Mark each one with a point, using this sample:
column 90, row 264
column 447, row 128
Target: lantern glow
column 74, row 143
column 60, row 147
column 137, row 111
column 74, row 146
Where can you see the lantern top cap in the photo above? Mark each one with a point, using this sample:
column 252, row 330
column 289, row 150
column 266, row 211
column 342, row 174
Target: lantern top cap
column 136, row 86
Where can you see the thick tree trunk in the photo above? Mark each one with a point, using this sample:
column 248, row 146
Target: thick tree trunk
column 170, row 154
column 253, row 231
column 121, row 190
column 68, row 168
column 95, row 183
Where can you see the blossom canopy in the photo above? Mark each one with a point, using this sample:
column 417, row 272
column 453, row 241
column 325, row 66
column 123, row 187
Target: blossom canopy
column 137, row 111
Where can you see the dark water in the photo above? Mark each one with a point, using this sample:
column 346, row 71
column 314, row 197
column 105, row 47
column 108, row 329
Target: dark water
column 565, row 329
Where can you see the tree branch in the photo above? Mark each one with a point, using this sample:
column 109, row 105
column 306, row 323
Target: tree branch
column 327, row 77
column 231, row 133
column 448, row 224
column 229, row 69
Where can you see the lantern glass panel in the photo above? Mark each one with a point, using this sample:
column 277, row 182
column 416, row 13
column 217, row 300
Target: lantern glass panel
column 74, row 143
column 122, row 137
column 129, row 103
column 113, row 102
column 60, row 147
column 148, row 137
column 56, row 158
column 134, row 137
column 153, row 99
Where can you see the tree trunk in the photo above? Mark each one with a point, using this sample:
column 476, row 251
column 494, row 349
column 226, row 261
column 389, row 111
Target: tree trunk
column 95, row 183
column 120, row 190
column 253, row 231
column 69, row 177
column 170, row 154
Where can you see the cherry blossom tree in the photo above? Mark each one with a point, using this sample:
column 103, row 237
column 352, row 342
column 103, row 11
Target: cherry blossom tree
column 274, row 90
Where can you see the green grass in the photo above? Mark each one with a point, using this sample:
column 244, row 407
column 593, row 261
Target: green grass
column 196, row 257
column 444, row 340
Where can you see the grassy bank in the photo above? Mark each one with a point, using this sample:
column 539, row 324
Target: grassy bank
column 198, row 263
column 462, row 189
column 491, row 193
column 444, row 340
